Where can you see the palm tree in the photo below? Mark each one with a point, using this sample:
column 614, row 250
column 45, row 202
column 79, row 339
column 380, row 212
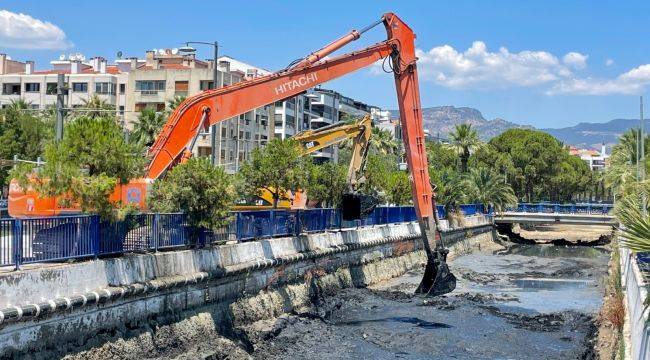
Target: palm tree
column 96, row 107
column 451, row 190
column 172, row 104
column 635, row 234
column 464, row 140
column 147, row 127
column 491, row 189
column 382, row 142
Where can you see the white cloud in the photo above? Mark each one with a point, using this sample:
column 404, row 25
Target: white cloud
column 629, row 83
column 21, row 31
column 575, row 60
column 477, row 67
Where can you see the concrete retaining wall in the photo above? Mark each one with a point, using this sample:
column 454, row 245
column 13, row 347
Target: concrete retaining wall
column 636, row 329
column 64, row 308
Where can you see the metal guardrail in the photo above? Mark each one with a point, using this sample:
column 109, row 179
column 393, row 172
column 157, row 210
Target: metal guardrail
column 33, row 240
column 563, row 208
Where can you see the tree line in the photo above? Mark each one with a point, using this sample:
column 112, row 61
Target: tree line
column 95, row 155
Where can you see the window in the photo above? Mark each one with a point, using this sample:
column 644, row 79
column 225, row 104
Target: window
column 223, row 132
column 121, row 110
column 223, row 155
column 50, row 89
column 205, row 85
column 181, row 88
column 152, row 105
column 105, row 88
column 11, row 89
column 80, row 87
column 35, row 106
column 248, row 135
column 149, row 85
column 32, row 87
column 278, row 120
column 241, row 134
column 122, row 88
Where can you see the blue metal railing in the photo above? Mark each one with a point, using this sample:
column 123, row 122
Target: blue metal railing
column 563, row 208
column 34, row 240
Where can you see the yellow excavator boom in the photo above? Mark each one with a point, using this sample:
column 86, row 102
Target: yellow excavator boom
column 311, row 141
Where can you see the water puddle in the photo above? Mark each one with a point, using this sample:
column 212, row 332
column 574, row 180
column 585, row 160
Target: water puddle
column 551, row 284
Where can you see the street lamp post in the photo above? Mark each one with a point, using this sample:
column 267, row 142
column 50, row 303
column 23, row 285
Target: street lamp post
column 213, row 129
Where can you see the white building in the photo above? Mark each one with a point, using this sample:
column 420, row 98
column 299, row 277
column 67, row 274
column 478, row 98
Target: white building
column 22, row 81
column 165, row 74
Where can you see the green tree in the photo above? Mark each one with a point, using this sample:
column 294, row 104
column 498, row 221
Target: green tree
column 22, row 133
column 327, row 183
column 621, row 175
column 536, row 157
column 147, row 127
column 278, row 167
column 202, row 191
column 451, row 188
column 398, row 188
column 95, row 107
column 440, row 156
column 489, row 188
column 464, row 140
column 382, row 142
column 86, row 165
column 173, row 103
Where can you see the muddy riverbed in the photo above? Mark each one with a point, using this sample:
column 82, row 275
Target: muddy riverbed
column 515, row 302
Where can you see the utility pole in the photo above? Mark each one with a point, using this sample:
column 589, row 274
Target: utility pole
column 213, row 129
column 642, row 157
column 60, row 88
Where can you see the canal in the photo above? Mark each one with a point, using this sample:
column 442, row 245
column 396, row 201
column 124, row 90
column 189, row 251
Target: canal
column 513, row 301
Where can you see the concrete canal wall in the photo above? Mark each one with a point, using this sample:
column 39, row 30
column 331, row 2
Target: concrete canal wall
column 636, row 328
column 147, row 305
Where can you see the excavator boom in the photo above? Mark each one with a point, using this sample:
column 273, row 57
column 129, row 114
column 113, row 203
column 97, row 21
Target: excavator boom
column 213, row 106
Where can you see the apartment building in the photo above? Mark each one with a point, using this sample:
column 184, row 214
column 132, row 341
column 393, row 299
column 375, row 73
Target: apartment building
column 166, row 74
column 21, row 81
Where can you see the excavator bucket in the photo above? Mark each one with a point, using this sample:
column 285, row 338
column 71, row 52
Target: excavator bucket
column 437, row 279
column 355, row 206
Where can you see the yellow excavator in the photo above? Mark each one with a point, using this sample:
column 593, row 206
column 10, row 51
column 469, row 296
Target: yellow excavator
column 311, row 141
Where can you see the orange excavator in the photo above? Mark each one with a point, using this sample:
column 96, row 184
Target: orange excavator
column 398, row 54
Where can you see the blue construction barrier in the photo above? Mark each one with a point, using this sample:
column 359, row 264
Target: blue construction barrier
column 68, row 237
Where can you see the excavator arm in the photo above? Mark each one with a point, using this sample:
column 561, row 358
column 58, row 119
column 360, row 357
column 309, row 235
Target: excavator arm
column 359, row 132
column 210, row 107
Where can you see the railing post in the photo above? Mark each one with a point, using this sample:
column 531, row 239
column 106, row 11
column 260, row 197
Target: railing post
column 272, row 223
column 18, row 242
column 297, row 228
column 94, row 234
column 155, row 234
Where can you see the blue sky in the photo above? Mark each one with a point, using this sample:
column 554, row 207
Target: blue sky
column 544, row 63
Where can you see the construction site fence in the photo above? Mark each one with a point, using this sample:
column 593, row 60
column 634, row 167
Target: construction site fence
column 61, row 238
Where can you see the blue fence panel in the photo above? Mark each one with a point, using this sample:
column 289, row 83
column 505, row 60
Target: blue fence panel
column 6, row 242
column 283, row 223
column 442, row 213
column 171, row 230
column 131, row 234
column 468, row 209
column 253, row 224
column 57, row 238
column 311, row 220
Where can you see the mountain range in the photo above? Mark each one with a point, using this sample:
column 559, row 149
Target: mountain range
column 439, row 121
